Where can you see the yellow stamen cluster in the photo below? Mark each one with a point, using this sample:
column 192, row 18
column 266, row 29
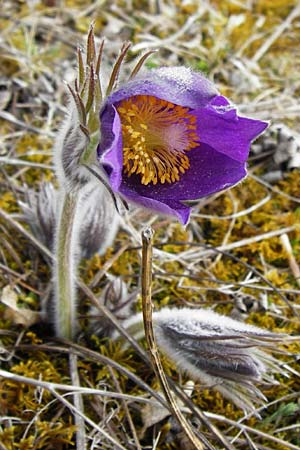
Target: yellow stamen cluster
column 156, row 134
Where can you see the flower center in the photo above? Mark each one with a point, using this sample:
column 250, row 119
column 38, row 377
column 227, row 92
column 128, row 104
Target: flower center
column 156, row 134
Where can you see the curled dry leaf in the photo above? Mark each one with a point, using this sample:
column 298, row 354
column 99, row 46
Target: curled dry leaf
column 16, row 314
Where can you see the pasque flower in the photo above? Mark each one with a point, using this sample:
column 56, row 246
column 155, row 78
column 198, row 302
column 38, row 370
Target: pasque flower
column 222, row 353
column 165, row 137
column 168, row 137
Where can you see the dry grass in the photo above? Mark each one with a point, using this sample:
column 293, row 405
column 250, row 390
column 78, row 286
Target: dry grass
column 238, row 254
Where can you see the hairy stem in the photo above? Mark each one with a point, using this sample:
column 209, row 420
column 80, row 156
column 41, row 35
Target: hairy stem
column 65, row 266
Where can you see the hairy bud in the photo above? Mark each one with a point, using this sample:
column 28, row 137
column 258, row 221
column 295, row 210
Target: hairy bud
column 98, row 219
column 116, row 298
column 221, row 352
column 39, row 211
column 70, row 145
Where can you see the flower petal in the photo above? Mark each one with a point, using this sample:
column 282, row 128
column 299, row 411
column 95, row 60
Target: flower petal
column 178, row 85
column 210, row 172
column 169, row 206
column 110, row 147
column 220, row 127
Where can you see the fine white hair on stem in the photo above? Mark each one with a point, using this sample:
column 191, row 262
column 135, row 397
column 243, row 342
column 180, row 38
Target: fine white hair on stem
column 69, row 146
column 87, row 221
column 220, row 352
column 66, row 247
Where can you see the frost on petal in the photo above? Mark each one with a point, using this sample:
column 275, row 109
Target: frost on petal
column 179, row 85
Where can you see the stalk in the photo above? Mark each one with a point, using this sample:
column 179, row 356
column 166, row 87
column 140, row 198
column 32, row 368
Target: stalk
column 74, row 152
column 66, row 249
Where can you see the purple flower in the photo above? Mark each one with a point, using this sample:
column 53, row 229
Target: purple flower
column 169, row 137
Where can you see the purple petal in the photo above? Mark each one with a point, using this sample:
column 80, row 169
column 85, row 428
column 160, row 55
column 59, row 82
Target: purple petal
column 110, row 147
column 219, row 100
column 165, row 206
column 178, row 85
column 222, row 129
column 210, row 171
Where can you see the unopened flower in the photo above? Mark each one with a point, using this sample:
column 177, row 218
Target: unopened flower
column 39, row 211
column 116, row 298
column 222, row 353
column 98, row 221
column 168, row 137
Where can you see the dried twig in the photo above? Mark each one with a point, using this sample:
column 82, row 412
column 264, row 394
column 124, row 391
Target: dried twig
column 78, row 403
column 252, row 430
column 71, row 389
column 149, row 333
column 291, row 258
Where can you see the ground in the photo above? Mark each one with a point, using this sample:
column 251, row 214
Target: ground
column 238, row 254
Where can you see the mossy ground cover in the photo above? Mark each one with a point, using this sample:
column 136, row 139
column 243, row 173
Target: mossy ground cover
column 232, row 256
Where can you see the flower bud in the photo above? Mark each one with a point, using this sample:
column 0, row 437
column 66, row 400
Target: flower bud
column 222, row 353
column 116, row 299
column 70, row 145
column 39, row 211
column 97, row 217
